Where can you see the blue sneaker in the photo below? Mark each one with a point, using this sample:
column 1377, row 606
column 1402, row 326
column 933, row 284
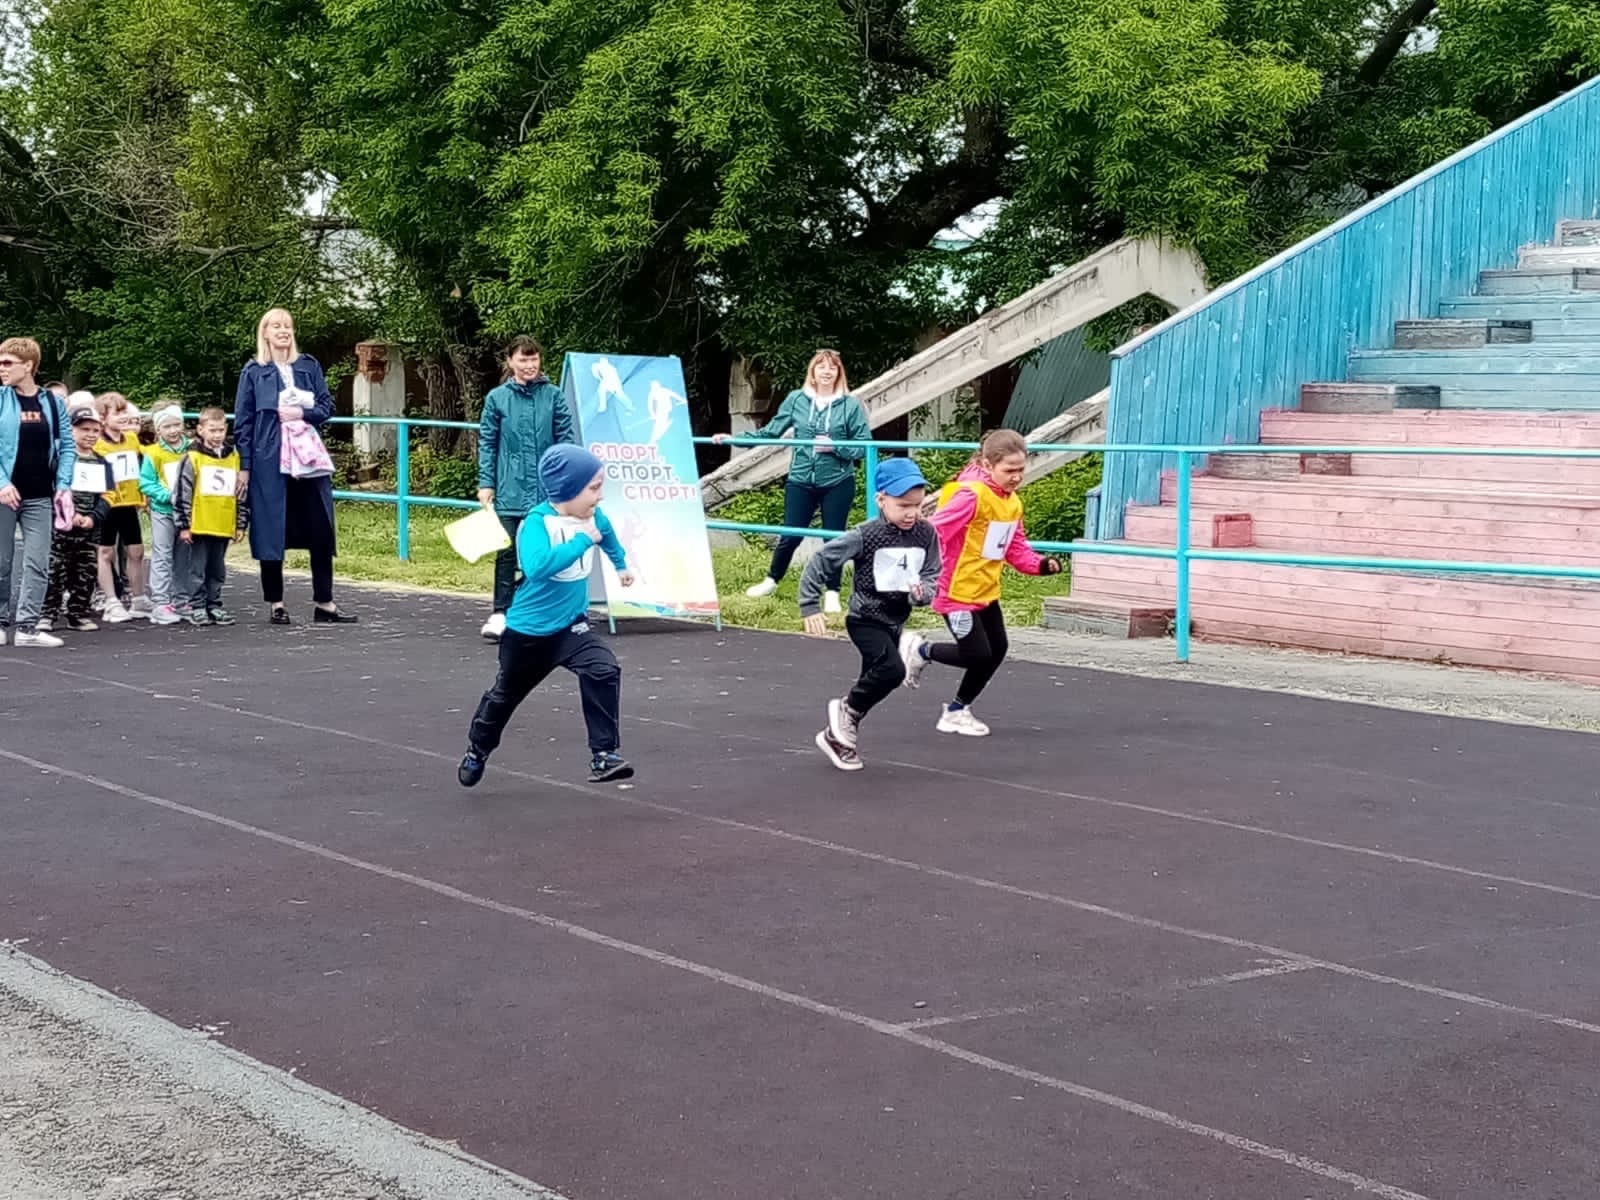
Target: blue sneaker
column 609, row 767
column 471, row 768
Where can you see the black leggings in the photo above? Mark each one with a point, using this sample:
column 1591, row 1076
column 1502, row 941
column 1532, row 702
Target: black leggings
column 321, row 579
column 980, row 648
column 882, row 669
column 801, row 502
column 525, row 663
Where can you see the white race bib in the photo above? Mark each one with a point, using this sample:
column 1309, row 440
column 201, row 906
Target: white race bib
column 897, row 569
column 89, row 478
column 997, row 540
column 218, row 481
column 124, row 465
column 169, row 474
column 561, row 530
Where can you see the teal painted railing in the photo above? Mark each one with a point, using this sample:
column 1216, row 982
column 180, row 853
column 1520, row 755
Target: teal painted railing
column 1205, row 376
column 1182, row 553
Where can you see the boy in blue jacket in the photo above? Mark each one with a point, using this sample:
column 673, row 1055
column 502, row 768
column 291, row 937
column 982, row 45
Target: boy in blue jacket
column 522, row 418
column 546, row 625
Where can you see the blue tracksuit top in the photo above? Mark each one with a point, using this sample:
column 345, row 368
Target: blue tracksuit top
column 556, row 561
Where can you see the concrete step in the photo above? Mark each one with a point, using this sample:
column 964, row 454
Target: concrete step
column 1276, row 466
column 1070, row 614
column 1454, row 333
column 1481, row 622
column 1571, row 317
column 1537, row 258
column 1437, row 427
column 1543, row 279
column 1578, row 233
column 1519, row 377
column 1157, row 525
column 1365, row 397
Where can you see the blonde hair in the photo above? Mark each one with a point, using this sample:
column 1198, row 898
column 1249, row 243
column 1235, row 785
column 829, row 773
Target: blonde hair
column 841, row 385
column 264, row 351
column 24, row 348
column 107, row 403
column 998, row 444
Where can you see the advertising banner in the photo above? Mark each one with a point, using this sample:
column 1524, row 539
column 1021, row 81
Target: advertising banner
column 633, row 415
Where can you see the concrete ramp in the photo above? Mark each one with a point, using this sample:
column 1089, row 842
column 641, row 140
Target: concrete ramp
column 1104, row 281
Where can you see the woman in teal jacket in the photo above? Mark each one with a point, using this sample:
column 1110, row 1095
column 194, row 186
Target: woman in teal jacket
column 822, row 478
column 522, row 418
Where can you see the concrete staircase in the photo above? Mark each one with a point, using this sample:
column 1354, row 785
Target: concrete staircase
column 1517, row 364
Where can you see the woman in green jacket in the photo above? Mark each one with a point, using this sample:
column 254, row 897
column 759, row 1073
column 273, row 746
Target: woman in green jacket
column 822, row 477
column 522, row 418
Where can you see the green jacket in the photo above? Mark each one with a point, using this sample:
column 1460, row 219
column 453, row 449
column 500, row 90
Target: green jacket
column 518, row 425
column 843, row 420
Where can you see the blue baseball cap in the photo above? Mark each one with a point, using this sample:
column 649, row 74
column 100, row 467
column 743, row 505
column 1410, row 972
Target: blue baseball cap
column 897, row 476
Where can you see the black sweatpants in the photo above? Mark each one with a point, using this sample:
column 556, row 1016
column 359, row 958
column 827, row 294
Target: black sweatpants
column 980, row 648
column 802, row 502
column 525, row 663
column 506, row 573
column 208, row 567
column 881, row 667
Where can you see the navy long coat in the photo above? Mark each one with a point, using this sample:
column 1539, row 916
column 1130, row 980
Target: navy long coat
column 259, row 436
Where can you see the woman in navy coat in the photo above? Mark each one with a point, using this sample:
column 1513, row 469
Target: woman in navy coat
column 281, row 384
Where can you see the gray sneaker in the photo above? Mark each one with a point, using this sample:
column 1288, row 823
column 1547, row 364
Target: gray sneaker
column 843, row 724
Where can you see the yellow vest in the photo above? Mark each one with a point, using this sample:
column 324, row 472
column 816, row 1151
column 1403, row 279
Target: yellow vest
column 214, row 507
column 123, row 458
column 167, row 461
column 976, row 579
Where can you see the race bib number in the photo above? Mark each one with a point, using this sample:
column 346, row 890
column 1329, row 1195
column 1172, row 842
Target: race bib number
column 897, row 570
column 89, row 478
column 561, row 530
column 169, row 474
column 218, row 481
column 997, row 539
column 124, row 465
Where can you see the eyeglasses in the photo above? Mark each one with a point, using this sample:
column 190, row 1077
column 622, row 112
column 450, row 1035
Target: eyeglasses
column 10, row 362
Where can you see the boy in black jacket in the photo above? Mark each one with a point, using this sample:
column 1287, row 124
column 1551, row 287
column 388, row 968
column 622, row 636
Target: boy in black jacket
column 75, row 552
column 896, row 561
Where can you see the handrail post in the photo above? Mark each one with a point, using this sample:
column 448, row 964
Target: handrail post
column 872, row 482
column 402, row 489
column 1181, row 557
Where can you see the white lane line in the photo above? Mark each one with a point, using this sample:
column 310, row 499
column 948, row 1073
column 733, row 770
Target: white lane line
column 1233, row 1141
column 1262, row 949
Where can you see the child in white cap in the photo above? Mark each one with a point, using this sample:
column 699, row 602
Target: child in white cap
column 169, row 557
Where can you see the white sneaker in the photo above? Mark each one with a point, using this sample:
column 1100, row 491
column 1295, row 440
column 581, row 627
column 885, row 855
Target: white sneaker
column 763, row 589
column 45, row 641
column 842, row 724
column 494, row 626
column 115, row 614
column 911, row 645
column 830, row 602
column 164, row 614
column 963, row 721
column 3, row 632
column 142, row 607
column 45, row 625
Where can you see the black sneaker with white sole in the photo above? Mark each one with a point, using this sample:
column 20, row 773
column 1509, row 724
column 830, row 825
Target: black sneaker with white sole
column 471, row 768
column 609, row 767
column 840, row 755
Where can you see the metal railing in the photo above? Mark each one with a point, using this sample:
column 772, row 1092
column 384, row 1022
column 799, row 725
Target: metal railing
column 1182, row 553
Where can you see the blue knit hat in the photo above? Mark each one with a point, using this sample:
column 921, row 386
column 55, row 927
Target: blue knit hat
column 565, row 470
column 897, row 476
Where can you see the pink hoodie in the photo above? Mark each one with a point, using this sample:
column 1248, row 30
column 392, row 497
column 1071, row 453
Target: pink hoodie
column 950, row 523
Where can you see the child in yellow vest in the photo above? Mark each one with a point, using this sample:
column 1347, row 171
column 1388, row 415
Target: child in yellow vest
column 979, row 523
column 119, row 446
column 169, row 558
column 209, row 514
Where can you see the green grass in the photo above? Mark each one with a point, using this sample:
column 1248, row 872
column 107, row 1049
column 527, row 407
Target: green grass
column 368, row 543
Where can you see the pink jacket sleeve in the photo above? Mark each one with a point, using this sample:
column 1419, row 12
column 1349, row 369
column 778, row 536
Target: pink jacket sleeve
column 950, row 524
column 1021, row 555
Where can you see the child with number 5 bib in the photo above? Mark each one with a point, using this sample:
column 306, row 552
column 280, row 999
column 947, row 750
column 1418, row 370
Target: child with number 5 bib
column 546, row 626
column 897, row 566
column 979, row 522
column 209, row 513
